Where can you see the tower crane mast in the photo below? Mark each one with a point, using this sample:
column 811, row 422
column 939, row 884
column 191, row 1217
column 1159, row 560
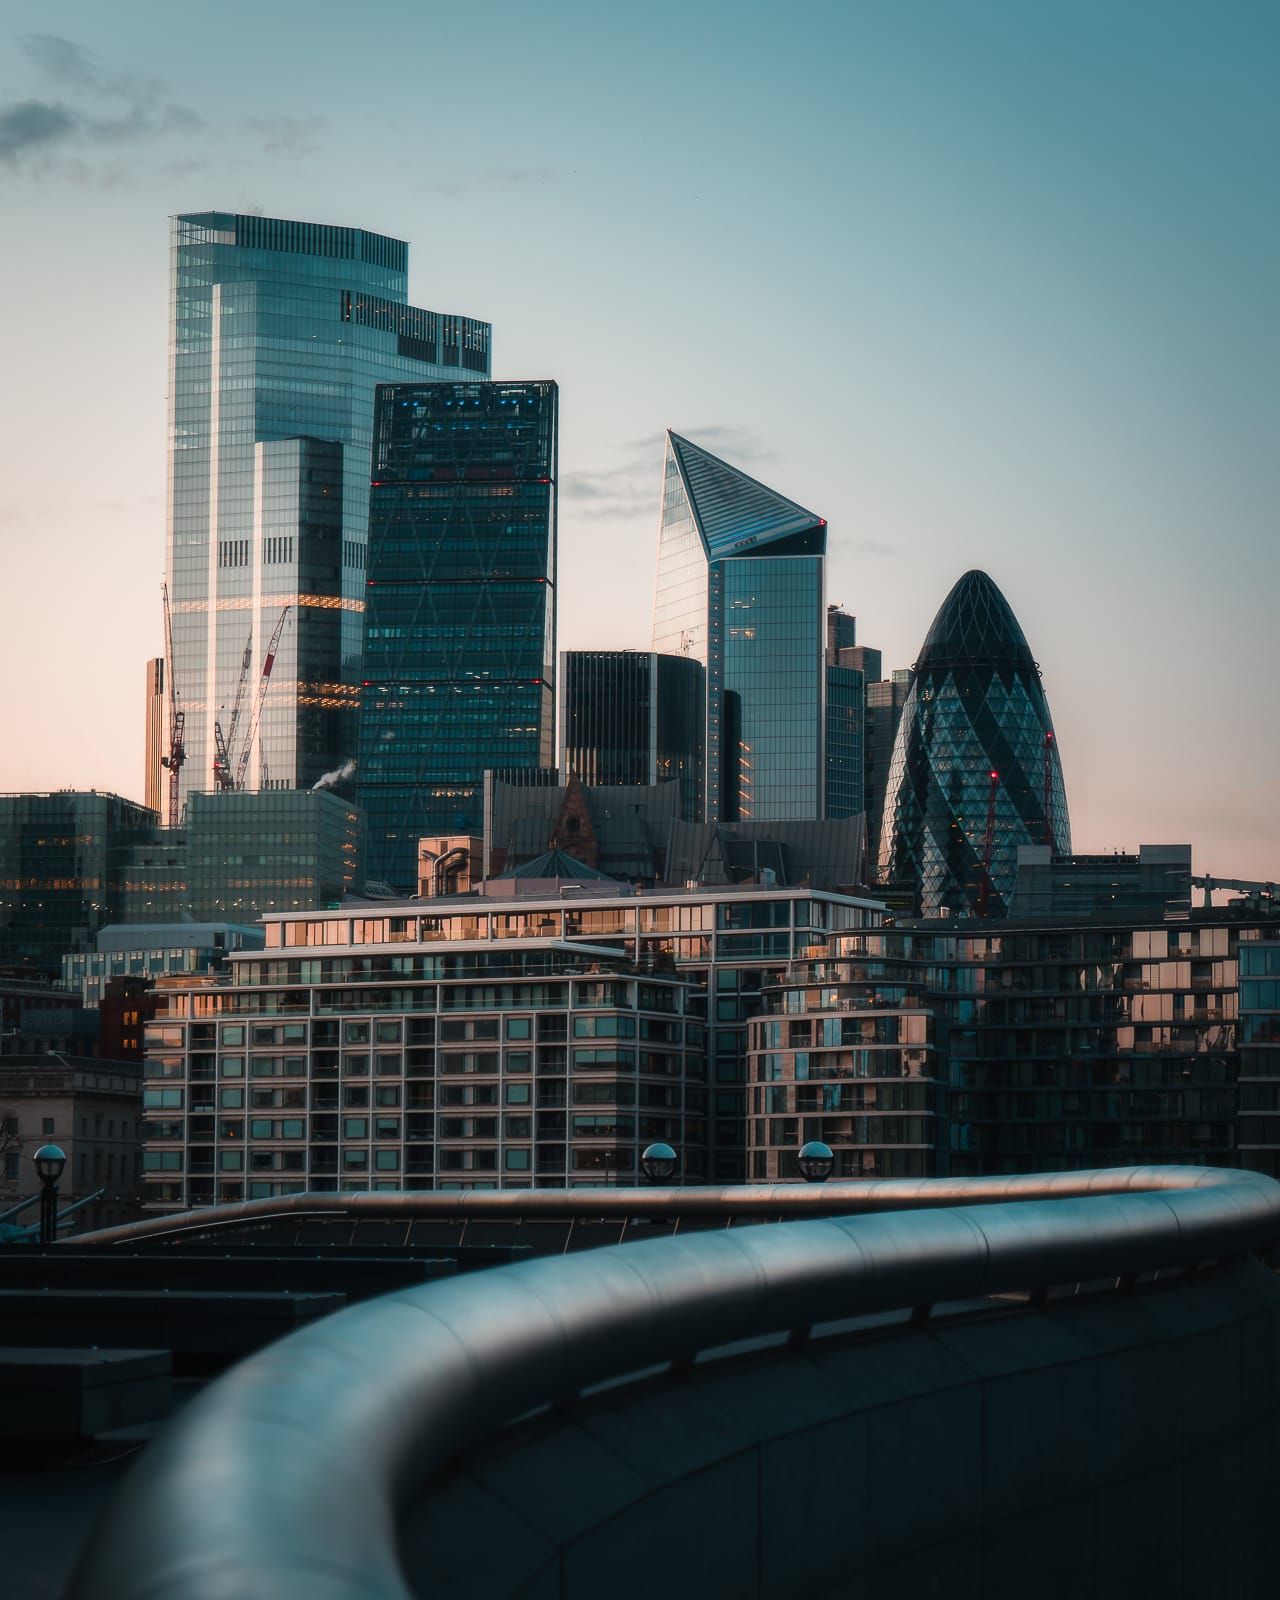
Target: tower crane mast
column 255, row 716
column 223, row 747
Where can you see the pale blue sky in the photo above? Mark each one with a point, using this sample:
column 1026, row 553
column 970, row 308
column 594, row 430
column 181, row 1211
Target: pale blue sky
column 984, row 284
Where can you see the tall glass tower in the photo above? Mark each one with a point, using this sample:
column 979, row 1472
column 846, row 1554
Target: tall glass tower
column 279, row 332
column 740, row 589
column 632, row 717
column 975, row 770
column 460, row 627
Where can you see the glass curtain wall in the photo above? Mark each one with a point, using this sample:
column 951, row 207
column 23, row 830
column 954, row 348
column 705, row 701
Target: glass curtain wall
column 279, row 331
column 458, row 669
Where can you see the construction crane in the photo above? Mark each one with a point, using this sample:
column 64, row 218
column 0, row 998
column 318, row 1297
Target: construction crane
column 988, row 846
column 255, row 716
column 177, row 716
column 1246, row 886
column 223, row 747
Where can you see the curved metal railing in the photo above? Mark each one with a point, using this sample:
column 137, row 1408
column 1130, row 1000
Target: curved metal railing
column 284, row 1479
column 730, row 1202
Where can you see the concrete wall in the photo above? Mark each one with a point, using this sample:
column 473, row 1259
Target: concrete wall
column 1117, row 1445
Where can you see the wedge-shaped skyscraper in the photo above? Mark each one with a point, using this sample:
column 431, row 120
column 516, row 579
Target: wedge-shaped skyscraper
column 740, row 590
column 975, row 770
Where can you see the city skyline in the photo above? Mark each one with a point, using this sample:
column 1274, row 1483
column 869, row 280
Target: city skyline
column 1030, row 329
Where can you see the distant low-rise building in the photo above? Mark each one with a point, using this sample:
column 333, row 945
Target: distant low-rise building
column 92, row 1110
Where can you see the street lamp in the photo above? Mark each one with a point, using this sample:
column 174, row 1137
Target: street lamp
column 658, row 1163
column 816, row 1161
column 49, row 1161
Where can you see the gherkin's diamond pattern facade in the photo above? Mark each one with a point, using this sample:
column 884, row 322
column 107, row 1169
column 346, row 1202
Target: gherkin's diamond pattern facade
column 974, row 762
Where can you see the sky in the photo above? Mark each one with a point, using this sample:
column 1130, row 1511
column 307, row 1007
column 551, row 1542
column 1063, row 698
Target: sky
column 991, row 283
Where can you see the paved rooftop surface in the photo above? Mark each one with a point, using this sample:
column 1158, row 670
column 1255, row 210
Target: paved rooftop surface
column 50, row 1498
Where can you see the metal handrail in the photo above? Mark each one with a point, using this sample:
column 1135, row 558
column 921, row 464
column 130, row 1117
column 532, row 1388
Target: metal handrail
column 284, row 1479
column 759, row 1202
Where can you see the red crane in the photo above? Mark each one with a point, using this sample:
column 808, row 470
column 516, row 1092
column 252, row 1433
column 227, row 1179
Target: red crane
column 268, row 661
column 988, row 846
column 177, row 716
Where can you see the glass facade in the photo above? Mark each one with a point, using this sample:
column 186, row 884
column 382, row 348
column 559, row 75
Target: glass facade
column 846, row 716
column 1259, row 1121
column 391, row 973
column 740, row 590
column 976, row 771
column 1026, row 1048
column 460, row 626
column 279, row 332
column 241, row 854
column 63, row 870
column 628, row 717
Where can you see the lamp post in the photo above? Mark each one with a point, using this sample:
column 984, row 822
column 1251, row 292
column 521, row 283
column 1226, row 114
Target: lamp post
column 49, row 1162
column 658, row 1163
column 816, row 1161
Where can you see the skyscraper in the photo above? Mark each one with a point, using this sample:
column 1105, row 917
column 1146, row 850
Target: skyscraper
column 460, row 626
column 632, row 717
column 157, row 733
column 846, row 716
column 976, row 770
column 740, row 589
column 279, row 332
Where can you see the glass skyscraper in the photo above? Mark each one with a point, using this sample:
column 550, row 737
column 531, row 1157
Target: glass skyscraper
column 279, row 332
column 740, row 589
column 975, row 770
column 632, row 717
column 460, row 627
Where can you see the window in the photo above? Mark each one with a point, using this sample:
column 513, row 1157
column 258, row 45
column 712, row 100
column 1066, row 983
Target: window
column 517, row 1094
column 48, row 1127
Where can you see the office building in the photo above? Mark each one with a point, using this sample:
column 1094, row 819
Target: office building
column 152, row 950
column 241, row 854
column 632, row 717
column 976, row 770
column 92, row 1110
column 845, row 717
column 460, row 625
column 1156, row 880
column 740, row 591
column 619, row 830
column 279, row 332
column 155, row 790
column 407, row 1033
column 1034, row 1046
column 62, row 870
column 885, row 698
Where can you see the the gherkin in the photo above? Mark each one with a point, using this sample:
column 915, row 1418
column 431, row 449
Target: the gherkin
column 976, row 770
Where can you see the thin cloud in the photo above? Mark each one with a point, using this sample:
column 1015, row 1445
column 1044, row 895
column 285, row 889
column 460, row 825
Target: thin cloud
column 31, row 125
column 66, row 62
column 515, row 177
column 491, row 178
column 102, row 108
column 610, row 494
column 292, row 137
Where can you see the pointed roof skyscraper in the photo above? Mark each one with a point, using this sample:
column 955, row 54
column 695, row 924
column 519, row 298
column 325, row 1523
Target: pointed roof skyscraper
column 740, row 590
column 731, row 510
